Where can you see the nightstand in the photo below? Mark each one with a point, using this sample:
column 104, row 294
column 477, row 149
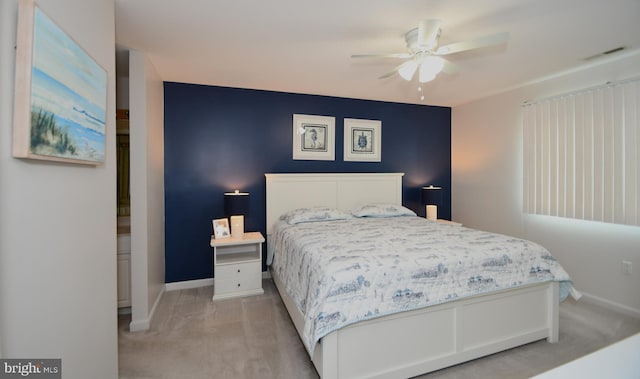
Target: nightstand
column 237, row 266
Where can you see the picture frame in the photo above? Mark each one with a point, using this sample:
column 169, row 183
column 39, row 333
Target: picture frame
column 60, row 109
column 221, row 228
column 313, row 137
column 362, row 140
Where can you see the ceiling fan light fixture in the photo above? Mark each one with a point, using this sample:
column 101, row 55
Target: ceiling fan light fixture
column 408, row 69
column 430, row 67
column 427, row 77
column 424, row 52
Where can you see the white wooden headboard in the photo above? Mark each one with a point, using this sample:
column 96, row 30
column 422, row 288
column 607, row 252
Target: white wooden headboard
column 286, row 192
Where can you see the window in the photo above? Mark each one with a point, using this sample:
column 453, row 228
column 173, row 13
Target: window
column 581, row 154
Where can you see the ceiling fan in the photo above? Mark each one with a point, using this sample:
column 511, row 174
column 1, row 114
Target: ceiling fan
column 425, row 55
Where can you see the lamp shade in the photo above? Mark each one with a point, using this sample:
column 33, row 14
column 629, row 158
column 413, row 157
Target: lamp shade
column 408, row 69
column 429, row 68
column 236, row 203
column 431, row 195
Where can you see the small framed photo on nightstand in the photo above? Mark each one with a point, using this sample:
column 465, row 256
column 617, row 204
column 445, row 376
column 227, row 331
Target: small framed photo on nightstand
column 221, row 228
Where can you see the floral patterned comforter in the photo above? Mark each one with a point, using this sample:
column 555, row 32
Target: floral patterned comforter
column 343, row 271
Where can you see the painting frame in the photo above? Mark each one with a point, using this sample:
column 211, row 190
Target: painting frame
column 60, row 110
column 362, row 140
column 313, row 137
column 221, row 228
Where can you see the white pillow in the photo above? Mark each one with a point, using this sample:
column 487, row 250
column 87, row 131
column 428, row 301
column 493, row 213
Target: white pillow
column 314, row 214
column 382, row 210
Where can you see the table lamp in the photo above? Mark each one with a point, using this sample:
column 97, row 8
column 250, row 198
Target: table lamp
column 431, row 197
column 236, row 207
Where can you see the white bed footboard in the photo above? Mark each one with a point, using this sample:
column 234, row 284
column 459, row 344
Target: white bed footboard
column 420, row 341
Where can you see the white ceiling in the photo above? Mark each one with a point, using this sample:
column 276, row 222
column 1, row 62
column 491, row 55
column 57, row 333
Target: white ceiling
column 304, row 46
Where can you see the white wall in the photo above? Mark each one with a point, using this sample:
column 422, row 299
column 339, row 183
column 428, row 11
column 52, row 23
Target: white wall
column 487, row 187
column 146, row 136
column 58, row 222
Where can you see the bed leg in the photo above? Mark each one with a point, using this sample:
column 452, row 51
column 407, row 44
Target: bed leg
column 554, row 311
column 329, row 357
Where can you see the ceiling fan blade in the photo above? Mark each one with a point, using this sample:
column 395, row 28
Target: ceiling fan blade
column 449, row 68
column 396, row 55
column 490, row 40
column 428, row 31
column 389, row 74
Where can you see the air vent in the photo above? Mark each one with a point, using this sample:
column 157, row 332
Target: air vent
column 605, row 53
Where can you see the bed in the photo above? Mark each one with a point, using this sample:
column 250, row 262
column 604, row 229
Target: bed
column 406, row 342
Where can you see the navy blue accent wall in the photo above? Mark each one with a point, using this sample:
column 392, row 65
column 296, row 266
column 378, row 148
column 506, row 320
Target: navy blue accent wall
column 219, row 139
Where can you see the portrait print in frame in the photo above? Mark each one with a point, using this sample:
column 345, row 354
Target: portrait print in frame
column 362, row 140
column 313, row 137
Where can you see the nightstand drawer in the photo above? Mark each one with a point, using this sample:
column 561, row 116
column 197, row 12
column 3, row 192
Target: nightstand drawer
column 238, row 277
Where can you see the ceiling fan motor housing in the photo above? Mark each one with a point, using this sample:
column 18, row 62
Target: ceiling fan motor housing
column 424, row 37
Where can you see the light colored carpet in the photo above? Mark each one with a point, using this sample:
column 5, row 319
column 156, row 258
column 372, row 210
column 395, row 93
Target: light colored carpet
column 253, row 337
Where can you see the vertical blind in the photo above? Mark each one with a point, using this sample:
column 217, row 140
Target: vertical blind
column 581, row 154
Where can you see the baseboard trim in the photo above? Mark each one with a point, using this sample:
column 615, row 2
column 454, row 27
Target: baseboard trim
column 139, row 325
column 187, row 284
column 155, row 304
column 145, row 324
column 620, row 308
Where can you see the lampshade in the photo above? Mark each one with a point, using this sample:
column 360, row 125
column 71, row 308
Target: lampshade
column 408, row 69
column 431, row 195
column 429, row 68
column 236, row 203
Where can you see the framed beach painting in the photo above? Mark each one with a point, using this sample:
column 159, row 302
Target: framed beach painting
column 362, row 140
column 313, row 137
column 60, row 94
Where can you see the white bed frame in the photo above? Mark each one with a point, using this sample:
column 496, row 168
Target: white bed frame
column 414, row 342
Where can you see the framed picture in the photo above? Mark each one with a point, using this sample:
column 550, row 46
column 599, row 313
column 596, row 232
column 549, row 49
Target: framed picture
column 221, row 228
column 60, row 94
column 313, row 137
column 362, row 140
